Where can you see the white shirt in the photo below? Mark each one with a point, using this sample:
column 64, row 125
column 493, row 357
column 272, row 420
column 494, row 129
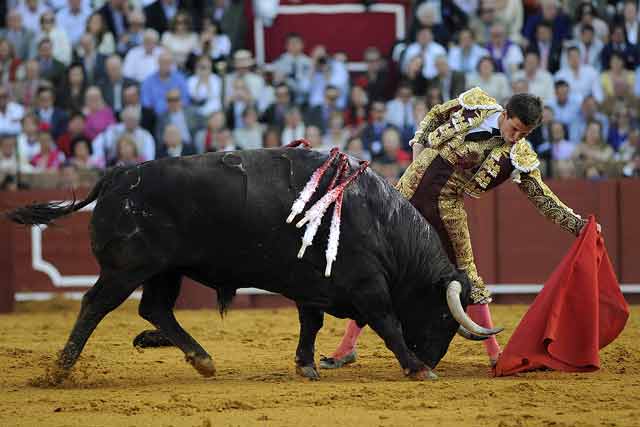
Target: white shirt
column 210, row 93
column 10, row 119
column 431, row 52
column 541, row 84
column 61, row 47
column 290, row 134
column 72, row 23
column 138, row 65
column 632, row 32
column 466, row 62
column 585, row 82
column 400, row 114
column 27, row 150
column 104, row 144
column 31, row 19
column 488, row 124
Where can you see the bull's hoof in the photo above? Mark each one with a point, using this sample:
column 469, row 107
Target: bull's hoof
column 151, row 338
column 335, row 363
column 204, row 365
column 421, row 374
column 308, row 372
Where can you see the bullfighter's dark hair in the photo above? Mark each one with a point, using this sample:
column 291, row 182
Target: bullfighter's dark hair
column 526, row 107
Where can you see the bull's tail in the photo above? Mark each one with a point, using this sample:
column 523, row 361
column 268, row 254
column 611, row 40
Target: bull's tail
column 46, row 213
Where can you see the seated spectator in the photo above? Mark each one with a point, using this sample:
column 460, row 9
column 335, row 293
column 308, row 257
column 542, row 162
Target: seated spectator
column 375, row 79
column 11, row 113
column 155, row 88
column 212, row 42
column 336, row 135
column 451, row 83
column 75, row 130
column 50, row 68
column 617, row 74
column 249, row 137
column 9, row 62
column 73, row 19
column 565, row 106
column 8, row 162
column 48, row 113
column 621, row 98
column 132, row 37
column 160, row 13
column 25, row 90
column 314, row 136
column 428, row 15
column 506, row 55
column 618, row 44
column 428, row 49
column 173, row 145
column 327, row 72
column 294, row 68
column 205, row 88
column 274, row 114
column 31, row 11
column 294, row 127
column 539, row 80
column 103, row 39
column 142, row 61
column 126, row 152
column 18, row 35
column 82, row 154
column 204, row 137
column 588, row 113
column 92, row 61
column 593, row 156
column 28, row 145
column 582, row 79
column 433, row 97
column 372, row 133
column 319, row 115
column 630, row 147
column 510, row 13
column 481, row 23
column 187, row 119
column 105, row 144
column 60, row 44
column 557, row 20
column 271, row 138
column 400, row 109
column 113, row 85
column 71, row 94
column 620, row 129
column 131, row 98
column 549, row 49
column 540, row 137
column 180, row 40
column 355, row 148
column 465, row 55
column 413, row 76
column 97, row 113
column 392, row 152
column 238, row 102
column 419, row 111
column 632, row 168
column 222, row 141
column 114, row 13
column 357, row 112
column 242, row 65
column 586, row 15
column 590, row 48
column 49, row 158
column 492, row 82
column 561, row 153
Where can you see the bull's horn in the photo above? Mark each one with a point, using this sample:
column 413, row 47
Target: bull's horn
column 468, row 335
column 455, row 306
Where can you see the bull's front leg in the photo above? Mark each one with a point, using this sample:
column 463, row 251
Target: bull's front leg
column 310, row 323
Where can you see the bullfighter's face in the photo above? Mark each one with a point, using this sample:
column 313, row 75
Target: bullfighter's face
column 428, row 325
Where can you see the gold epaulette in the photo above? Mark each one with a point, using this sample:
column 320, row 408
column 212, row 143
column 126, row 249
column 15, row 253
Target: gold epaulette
column 477, row 99
column 523, row 158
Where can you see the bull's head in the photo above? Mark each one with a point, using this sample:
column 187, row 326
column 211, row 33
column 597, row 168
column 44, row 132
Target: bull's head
column 434, row 315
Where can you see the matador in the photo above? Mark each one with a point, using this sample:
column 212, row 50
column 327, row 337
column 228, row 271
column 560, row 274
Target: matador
column 465, row 147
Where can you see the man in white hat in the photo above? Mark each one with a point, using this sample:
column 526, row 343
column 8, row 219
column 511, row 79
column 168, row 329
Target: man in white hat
column 242, row 65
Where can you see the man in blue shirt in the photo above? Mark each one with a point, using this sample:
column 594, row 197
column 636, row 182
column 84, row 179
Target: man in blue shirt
column 155, row 87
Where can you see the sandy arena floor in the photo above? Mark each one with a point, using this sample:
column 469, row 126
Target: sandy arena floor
column 256, row 384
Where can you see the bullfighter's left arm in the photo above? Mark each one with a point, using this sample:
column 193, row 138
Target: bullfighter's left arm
column 528, row 177
column 548, row 203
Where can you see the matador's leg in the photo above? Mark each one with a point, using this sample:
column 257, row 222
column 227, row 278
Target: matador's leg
column 454, row 219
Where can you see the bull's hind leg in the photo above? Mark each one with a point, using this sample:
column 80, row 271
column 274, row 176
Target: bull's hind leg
column 158, row 298
column 107, row 294
column 311, row 320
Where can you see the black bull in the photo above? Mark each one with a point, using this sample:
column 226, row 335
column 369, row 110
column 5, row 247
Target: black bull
column 220, row 219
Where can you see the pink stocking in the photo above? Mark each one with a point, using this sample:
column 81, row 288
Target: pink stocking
column 480, row 314
column 349, row 340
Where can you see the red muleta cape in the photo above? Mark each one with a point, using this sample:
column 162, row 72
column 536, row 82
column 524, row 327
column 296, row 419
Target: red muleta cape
column 579, row 311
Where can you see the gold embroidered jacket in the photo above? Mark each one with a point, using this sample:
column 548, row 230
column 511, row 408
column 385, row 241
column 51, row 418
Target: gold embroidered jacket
column 482, row 165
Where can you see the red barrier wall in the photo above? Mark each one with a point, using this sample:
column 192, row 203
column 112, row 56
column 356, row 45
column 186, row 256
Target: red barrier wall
column 513, row 244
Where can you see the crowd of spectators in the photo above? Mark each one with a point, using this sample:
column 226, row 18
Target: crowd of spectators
column 88, row 84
